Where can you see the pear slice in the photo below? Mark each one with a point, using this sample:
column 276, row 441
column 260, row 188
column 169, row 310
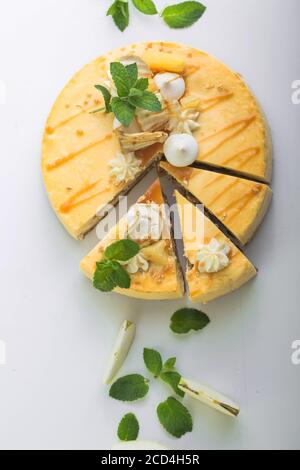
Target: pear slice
column 210, row 397
column 139, row 445
column 119, row 353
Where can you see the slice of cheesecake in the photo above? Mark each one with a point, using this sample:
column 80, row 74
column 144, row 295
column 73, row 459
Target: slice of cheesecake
column 215, row 265
column 156, row 274
column 238, row 203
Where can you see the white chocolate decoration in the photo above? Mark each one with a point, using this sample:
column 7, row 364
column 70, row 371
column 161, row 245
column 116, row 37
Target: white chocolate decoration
column 145, row 222
column 171, row 85
column 213, row 257
column 181, row 149
column 124, row 167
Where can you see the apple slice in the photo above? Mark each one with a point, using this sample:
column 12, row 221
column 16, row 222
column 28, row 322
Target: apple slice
column 210, row 397
column 139, row 445
column 119, row 353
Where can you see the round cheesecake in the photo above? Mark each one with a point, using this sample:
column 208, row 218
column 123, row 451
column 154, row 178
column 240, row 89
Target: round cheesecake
column 79, row 145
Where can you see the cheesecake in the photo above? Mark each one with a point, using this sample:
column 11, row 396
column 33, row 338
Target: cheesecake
column 155, row 272
column 215, row 266
column 88, row 161
column 239, row 204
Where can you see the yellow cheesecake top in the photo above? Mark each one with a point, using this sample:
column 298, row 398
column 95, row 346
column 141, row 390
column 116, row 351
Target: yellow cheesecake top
column 78, row 146
column 206, row 286
column 163, row 279
column 240, row 204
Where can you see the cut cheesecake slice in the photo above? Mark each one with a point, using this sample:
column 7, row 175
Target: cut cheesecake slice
column 238, row 203
column 160, row 277
column 215, row 265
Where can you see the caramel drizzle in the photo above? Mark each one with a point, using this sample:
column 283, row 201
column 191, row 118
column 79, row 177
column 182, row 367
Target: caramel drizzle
column 67, row 158
column 248, row 196
column 197, row 103
column 249, row 153
column 73, row 201
column 245, row 200
column 214, row 101
column 236, row 128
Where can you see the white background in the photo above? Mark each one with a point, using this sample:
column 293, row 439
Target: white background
column 58, row 330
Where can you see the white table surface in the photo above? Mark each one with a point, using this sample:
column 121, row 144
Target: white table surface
column 58, row 330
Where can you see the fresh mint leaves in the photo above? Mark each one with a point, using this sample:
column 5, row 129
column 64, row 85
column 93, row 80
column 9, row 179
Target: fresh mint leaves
column 132, row 93
column 129, row 388
column 122, row 250
column 183, row 14
column 174, row 417
column 153, row 361
column 128, row 429
column 165, row 372
column 145, row 6
column 187, row 319
column 109, row 272
column 172, row 378
column 119, row 11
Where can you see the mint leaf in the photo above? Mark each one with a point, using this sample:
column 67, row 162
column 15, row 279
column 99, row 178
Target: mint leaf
column 142, row 84
column 172, row 378
column 128, row 429
column 120, row 13
column 129, row 388
column 120, row 276
column 106, row 96
column 153, row 361
column 132, row 71
column 103, row 277
column 174, row 417
column 169, row 364
column 145, row 6
column 135, row 92
column 187, row 319
column 123, row 111
column 183, row 14
column 122, row 250
column 121, row 78
column 110, row 274
column 148, row 101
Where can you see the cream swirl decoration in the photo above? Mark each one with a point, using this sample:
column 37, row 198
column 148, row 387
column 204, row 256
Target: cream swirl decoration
column 135, row 264
column 213, row 257
column 183, row 120
column 124, row 167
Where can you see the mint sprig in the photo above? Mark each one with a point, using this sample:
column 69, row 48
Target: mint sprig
column 187, row 319
column 132, row 93
column 174, row 417
column 119, row 11
column 128, row 429
column 109, row 272
column 129, row 388
column 145, row 6
column 166, row 372
column 183, row 14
